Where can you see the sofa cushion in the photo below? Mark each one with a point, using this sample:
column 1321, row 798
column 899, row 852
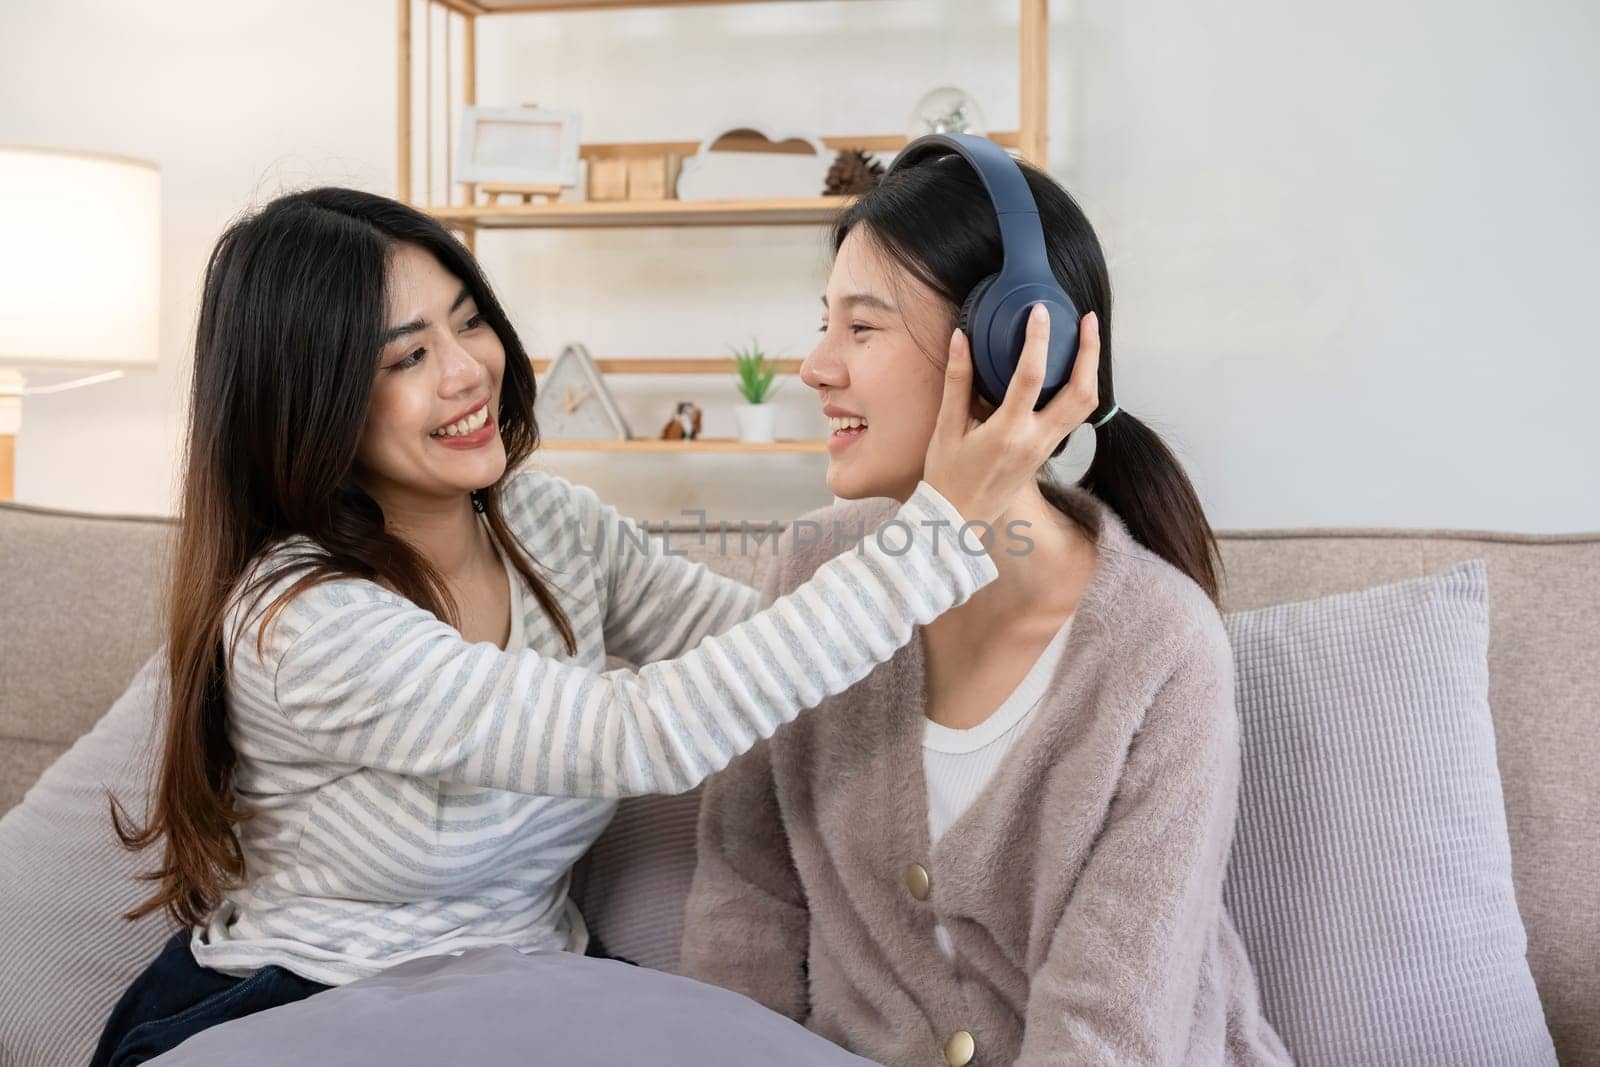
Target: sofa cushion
column 1371, row 874
column 66, row 882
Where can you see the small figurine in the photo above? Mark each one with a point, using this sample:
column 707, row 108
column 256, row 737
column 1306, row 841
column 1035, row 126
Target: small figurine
column 684, row 424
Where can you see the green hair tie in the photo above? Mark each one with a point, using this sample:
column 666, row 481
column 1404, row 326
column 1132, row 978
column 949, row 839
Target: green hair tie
column 1107, row 416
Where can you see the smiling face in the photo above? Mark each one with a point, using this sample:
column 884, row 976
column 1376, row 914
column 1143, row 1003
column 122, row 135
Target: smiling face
column 433, row 429
column 885, row 340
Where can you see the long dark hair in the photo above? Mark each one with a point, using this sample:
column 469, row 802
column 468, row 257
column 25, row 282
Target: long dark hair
column 286, row 352
column 937, row 222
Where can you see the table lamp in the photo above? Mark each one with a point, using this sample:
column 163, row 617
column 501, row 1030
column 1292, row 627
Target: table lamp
column 80, row 275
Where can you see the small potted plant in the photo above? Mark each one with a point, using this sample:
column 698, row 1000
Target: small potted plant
column 756, row 415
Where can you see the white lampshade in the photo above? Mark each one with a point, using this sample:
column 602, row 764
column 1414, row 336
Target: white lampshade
column 80, row 259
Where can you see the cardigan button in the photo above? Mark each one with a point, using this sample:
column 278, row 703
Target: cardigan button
column 917, row 881
column 960, row 1049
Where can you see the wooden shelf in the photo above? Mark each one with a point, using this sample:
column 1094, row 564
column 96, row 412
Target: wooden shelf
column 593, row 214
column 672, row 365
column 520, row 7
column 661, row 445
column 868, row 142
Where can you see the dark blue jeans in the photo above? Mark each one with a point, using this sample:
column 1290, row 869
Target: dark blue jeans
column 175, row 998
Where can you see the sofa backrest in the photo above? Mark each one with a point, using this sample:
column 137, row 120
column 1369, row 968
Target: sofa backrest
column 1544, row 691
column 80, row 609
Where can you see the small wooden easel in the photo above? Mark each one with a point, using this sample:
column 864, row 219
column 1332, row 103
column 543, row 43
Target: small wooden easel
column 493, row 190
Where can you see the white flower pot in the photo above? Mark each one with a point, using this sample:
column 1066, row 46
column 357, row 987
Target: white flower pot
column 756, row 422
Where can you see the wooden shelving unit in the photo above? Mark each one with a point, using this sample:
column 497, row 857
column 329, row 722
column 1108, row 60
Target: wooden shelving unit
column 467, row 213
column 461, row 87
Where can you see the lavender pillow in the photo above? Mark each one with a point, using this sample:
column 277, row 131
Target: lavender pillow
column 497, row 1005
column 1371, row 871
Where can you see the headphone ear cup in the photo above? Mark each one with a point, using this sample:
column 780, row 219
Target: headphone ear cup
column 978, row 343
column 970, row 304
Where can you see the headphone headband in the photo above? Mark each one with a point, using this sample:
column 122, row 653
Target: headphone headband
column 1021, row 233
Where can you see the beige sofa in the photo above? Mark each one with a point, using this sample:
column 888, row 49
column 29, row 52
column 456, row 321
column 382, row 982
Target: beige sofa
column 79, row 610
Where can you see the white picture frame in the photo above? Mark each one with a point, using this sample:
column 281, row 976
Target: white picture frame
column 517, row 146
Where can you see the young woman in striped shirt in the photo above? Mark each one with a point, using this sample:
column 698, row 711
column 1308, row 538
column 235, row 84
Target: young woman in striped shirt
column 391, row 731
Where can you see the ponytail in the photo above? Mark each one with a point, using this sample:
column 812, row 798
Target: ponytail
column 1136, row 475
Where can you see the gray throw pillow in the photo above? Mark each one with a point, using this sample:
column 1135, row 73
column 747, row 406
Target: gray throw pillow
column 497, row 1005
column 66, row 881
column 1371, row 872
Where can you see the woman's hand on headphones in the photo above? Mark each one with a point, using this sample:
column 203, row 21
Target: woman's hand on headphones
column 979, row 467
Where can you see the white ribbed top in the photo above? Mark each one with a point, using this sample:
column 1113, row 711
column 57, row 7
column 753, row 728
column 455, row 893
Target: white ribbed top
column 959, row 763
column 414, row 794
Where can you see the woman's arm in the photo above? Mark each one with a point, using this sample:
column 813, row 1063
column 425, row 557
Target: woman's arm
column 745, row 926
column 1123, row 970
column 656, row 603
column 365, row 677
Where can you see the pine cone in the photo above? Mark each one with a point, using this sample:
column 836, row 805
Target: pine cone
column 853, row 172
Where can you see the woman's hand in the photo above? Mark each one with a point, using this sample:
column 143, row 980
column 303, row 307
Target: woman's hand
column 980, row 466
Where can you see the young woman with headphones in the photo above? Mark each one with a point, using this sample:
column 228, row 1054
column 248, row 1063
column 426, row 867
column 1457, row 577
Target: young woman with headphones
column 390, row 731
column 1007, row 844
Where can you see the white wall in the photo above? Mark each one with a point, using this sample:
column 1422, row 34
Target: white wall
column 232, row 101
column 1352, row 257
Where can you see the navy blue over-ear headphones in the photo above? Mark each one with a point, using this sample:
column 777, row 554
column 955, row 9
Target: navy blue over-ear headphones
column 995, row 314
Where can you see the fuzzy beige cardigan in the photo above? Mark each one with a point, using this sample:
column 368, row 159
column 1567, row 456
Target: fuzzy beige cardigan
column 1082, row 889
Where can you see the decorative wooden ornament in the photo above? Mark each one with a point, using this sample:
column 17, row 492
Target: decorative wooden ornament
column 684, row 424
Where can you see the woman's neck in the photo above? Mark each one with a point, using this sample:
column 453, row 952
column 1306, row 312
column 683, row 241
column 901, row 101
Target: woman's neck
column 1044, row 560
column 976, row 654
column 446, row 530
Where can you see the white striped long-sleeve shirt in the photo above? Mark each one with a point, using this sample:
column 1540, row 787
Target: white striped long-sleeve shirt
column 414, row 794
